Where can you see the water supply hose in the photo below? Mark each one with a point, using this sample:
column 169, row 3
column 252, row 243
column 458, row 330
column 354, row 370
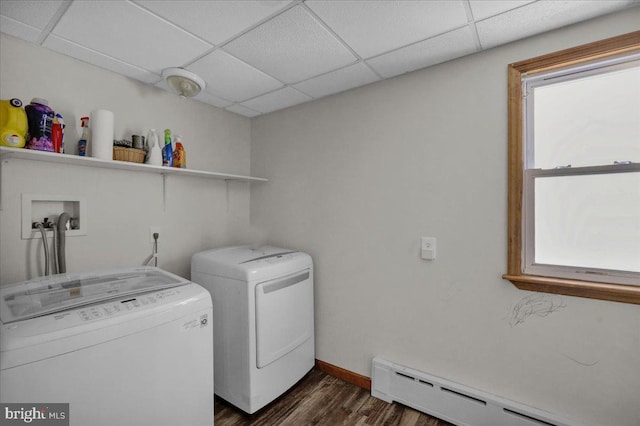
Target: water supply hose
column 62, row 228
column 147, row 260
column 154, row 253
column 40, row 226
column 155, row 248
column 54, row 227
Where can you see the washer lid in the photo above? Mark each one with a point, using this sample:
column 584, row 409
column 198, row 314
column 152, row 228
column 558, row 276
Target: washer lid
column 57, row 293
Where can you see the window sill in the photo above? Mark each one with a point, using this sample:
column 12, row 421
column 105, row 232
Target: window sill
column 593, row 290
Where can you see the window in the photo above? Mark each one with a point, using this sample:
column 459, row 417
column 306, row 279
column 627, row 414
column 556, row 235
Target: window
column 574, row 171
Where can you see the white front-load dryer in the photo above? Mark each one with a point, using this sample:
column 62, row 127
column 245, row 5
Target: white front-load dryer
column 263, row 320
column 121, row 347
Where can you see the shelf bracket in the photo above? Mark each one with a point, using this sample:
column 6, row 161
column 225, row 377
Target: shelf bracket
column 164, row 192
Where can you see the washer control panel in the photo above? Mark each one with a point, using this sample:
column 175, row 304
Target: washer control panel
column 127, row 305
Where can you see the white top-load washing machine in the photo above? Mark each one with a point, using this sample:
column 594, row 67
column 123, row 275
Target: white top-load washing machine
column 122, row 347
column 263, row 320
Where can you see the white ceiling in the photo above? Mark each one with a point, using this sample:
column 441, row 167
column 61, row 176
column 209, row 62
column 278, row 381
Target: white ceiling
column 261, row 56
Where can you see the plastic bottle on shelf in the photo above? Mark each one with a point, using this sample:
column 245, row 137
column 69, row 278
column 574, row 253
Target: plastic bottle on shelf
column 13, row 123
column 84, row 139
column 60, row 120
column 179, row 154
column 40, row 119
column 56, row 136
column 154, row 156
column 167, row 151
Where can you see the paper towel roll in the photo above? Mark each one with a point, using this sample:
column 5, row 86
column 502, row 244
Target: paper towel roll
column 102, row 134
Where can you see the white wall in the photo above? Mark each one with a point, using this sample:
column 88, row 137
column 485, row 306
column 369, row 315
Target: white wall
column 357, row 178
column 199, row 213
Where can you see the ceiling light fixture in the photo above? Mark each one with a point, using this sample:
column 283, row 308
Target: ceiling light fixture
column 183, row 82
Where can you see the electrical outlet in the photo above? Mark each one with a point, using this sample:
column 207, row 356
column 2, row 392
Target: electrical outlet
column 153, row 230
column 428, row 248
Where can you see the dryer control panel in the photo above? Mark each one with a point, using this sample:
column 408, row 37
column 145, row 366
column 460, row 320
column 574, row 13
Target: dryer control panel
column 279, row 258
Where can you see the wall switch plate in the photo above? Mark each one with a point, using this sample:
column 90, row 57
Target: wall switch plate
column 428, row 248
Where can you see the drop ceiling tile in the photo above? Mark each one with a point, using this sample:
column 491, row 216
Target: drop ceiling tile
column 33, row 13
column 231, row 78
column 214, row 21
column 279, row 99
column 439, row 49
column 130, row 34
column 338, row 81
column 18, row 29
column 542, row 16
column 214, row 100
column 74, row 50
column 375, row 27
column 239, row 109
column 291, row 47
column 483, row 9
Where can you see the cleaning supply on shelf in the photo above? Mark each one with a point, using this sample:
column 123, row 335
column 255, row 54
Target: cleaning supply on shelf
column 40, row 121
column 13, row 123
column 167, row 152
column 60, row 120
column 154, row 153
column 56, row 136
column 84, row 139
column 102, row 134
column 179, row 154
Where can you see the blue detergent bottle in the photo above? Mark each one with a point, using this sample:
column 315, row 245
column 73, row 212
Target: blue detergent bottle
column 167, row 152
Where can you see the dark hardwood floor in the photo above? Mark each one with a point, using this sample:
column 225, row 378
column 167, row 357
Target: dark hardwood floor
column 320, row 399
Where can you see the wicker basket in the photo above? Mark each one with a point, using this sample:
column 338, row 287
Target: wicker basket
column 131, row 155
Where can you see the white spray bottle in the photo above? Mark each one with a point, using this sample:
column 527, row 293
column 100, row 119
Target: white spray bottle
column 154, row 156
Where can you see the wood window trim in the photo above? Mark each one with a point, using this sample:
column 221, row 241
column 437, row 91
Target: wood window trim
column 610, row 47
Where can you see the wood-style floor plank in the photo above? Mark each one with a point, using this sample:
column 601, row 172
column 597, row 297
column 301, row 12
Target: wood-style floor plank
column 323, row 400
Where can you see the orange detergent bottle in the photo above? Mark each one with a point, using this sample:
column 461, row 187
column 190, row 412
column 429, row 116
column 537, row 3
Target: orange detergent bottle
column 179, row 154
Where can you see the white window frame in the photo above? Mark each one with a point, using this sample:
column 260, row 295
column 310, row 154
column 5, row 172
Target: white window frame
column 569, row 272
column 531, row 173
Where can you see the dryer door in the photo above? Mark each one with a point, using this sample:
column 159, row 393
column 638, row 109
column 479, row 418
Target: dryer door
column 284, row 315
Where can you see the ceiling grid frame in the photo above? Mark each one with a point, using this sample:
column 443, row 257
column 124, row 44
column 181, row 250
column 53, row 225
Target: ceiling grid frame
column 462, row 27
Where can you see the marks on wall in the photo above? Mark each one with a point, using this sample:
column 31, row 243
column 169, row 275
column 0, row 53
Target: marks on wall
column 540, row 305
column 584, row 364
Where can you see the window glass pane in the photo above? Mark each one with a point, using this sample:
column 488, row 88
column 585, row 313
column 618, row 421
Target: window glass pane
column 590, row 121
column 589, row 221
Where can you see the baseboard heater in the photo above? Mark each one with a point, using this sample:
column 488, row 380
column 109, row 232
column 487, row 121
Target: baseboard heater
column 455, row 403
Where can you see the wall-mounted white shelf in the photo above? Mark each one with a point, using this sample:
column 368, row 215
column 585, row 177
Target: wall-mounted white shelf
column 51, row 157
